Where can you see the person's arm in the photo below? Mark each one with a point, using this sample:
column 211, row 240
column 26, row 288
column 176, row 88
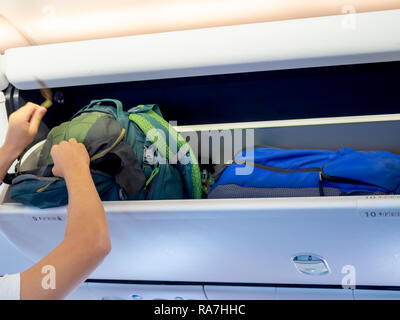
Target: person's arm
column 22, row 129
column 86, row 242
column 6, row 160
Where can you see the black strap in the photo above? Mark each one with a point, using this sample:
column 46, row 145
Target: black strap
column 9, row 178
column 44, row 171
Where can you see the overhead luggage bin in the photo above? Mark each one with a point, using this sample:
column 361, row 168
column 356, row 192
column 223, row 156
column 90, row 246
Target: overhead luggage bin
column 231, row 241
column 299, row 43
column 121, row 18
column 234, row 241
column 243, row 240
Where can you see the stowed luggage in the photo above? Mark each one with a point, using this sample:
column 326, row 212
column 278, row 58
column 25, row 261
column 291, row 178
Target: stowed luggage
column 137, row 155
column 134, row 155
column 268, row 172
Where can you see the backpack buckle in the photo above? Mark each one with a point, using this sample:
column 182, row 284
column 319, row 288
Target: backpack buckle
column 149, row 155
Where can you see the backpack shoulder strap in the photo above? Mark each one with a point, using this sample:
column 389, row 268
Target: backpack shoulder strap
column 195, row 174
column 159, row 139
column 149, row 120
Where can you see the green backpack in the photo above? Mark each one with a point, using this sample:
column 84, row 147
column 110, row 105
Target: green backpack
column 169, row 164
column 140, row 153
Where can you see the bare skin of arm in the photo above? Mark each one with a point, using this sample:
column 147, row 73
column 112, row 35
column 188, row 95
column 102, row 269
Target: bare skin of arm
column 22, row 129
column 86, row 240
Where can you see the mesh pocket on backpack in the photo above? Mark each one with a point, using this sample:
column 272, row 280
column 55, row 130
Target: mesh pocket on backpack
column 236, row 191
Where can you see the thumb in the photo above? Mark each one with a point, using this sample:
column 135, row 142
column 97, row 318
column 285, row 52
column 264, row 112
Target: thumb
column 36, row 118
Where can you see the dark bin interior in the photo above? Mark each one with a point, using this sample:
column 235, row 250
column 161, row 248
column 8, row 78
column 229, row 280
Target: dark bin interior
column 363, row 89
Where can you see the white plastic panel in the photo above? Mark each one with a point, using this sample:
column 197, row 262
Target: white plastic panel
column 3, row 133
column 115, row 291
column 3, row 123
column 318, row 133
column 360, row 294
column 311, row 42
column 12, row 260
column 3, row 118
column 240, row 293
column 313, row 294
column 3, row 79
column 58, row 21
column 81, row 293
column 97, row 291
column 235, row 240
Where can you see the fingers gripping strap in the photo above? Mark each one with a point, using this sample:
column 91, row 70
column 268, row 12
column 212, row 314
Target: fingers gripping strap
column 47, row 94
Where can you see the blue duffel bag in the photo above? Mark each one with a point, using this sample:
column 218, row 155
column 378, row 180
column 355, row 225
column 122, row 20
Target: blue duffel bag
column 269, row 172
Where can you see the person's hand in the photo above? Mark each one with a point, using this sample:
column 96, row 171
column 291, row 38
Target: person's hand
column 69, row 158
column 23, row 126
